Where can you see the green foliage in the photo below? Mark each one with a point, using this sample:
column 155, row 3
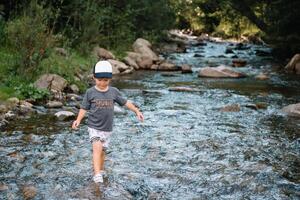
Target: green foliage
column 25, row 91
column 30, row 38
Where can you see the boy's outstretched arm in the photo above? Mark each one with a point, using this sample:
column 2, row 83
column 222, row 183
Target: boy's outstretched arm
column 79, row 118
column 138, row 113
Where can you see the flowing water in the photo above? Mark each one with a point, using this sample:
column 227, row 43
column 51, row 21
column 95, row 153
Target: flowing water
column 185, row 149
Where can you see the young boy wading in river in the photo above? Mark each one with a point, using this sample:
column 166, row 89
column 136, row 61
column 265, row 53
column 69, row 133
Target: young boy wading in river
column 99, row 100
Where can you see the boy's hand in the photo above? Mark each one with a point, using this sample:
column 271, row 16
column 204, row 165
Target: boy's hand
column 75, row 124
column 140, row 116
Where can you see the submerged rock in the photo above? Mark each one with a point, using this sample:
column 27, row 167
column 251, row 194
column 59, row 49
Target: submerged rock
column 220, row 72
column 183, row 89
column 262, row 76
column 186, row 69
column 239, row 63
column 29, row 192
column 231, row 108
column 64, row 115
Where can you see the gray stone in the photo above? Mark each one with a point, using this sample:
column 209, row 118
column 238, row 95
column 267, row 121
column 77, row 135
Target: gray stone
column 103, row 53
column 220, row 72
column 292, row 110
column 64, row 115
column 52, row 82
column 54, row 104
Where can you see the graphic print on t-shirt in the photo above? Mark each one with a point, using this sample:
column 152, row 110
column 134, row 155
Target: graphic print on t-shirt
column 103, row 103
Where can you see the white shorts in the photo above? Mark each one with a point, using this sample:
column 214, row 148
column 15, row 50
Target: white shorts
column 97, row 135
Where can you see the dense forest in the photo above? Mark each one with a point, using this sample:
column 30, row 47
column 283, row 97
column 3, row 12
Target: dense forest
column 31, row 29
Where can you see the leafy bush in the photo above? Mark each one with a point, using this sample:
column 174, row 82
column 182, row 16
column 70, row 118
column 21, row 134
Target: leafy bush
column 30, row 38
column 29, row 91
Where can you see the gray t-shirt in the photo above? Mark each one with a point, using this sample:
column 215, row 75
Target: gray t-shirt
column 101, row 107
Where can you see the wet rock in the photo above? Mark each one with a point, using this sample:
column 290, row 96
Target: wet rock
column 262, row 77
column 197, row 55
column 257, row 106
column 183, row 89
column 17, row 156
column 262, row 53
column 294, row 64
column 29, row 192
column 292, row 110
column 54, row 104
column 118, row 65
column 64, row 115
column 169, row 74
column 143, row 47
column 102, row 53
column 229, row 50
column 3, row 187
column 166, row 66
column 74, row 88
column 231, row 108
column 186, row 69
column 220, row 72
column 241, row 46
column 61, row 51
column 238, row 63
column 234, row 56
column 52, row 82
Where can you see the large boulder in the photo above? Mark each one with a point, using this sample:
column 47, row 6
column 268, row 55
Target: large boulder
column 118, row 66
column 220, row 72
column 102, row 53
column 294, row 64
column 143, row 47
column 292, row 110
column 145, row 63
column 52, row 82
column 131, row 62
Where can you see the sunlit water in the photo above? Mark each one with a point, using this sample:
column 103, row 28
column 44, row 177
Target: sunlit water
column 185, row 149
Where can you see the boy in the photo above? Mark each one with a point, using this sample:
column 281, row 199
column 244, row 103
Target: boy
column 99, row 100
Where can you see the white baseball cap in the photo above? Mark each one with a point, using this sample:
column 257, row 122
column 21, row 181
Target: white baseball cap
column 103, row 69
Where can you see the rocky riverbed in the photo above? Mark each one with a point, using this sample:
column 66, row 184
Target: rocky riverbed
column 203, row 138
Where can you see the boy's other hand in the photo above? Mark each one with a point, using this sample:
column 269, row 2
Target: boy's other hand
column 140, row 116
column 75, row 124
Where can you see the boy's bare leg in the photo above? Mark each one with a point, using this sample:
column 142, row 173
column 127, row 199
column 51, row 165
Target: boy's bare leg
column 102, row 161
column 97, row 156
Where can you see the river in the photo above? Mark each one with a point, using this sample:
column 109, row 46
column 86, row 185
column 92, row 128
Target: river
column 185, row 149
